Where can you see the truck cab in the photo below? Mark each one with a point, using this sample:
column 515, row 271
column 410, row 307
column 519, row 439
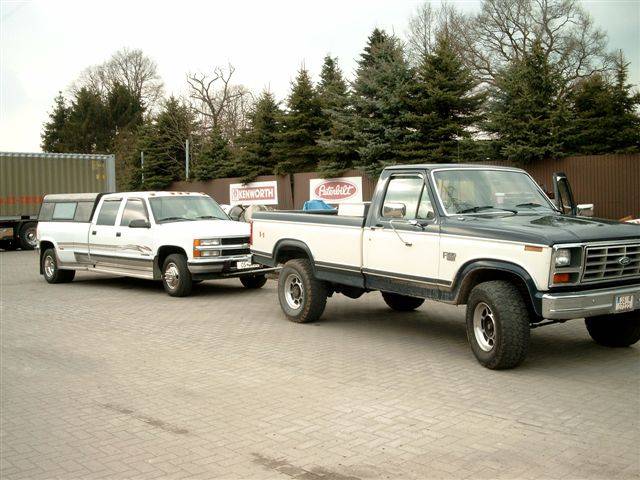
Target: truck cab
column 483, row 236
column 178, row 237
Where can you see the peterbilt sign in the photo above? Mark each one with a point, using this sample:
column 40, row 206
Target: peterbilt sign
column 336, row 190
column 255, row 193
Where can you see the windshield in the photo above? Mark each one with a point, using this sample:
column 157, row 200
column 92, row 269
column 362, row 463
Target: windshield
column 479, row 191
column 182, row 208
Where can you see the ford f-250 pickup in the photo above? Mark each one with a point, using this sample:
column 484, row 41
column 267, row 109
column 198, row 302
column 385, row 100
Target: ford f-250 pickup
column 488, row 237
column 178, row 237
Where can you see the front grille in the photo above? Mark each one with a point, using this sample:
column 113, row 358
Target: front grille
column 611, row 262
column 234, row 240
column 235, row 251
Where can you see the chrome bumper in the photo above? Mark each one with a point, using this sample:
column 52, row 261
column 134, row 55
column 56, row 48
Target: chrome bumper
column 570, row 305
column 213, row 265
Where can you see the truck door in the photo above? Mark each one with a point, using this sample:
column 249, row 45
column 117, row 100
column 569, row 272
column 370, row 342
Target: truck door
column 103, row 244
column 135, row 243
column 401, row 244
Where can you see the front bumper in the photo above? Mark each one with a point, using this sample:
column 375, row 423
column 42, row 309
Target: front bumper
column 588, row 303
column 225, row 267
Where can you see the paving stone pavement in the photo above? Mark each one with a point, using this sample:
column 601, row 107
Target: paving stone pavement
column 110, row 378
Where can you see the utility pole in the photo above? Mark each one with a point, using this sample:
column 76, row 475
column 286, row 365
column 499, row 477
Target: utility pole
column 186, row 158
column 142, row 165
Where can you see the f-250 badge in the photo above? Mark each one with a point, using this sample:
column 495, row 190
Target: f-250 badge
column 450, row 256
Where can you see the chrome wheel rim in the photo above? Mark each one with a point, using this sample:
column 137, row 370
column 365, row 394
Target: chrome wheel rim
column 49, row 266
column 484, row 326
column 30, row 237
column 172, row 276
column 293, row 291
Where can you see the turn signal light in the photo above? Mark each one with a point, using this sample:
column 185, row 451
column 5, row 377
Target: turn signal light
column 196, row 252
column 561, row 278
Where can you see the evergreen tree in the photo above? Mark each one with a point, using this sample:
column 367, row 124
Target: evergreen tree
column 163, row 144
column 297, row 149
column 379, row 102
column 214, row 159
column 528, row 114
column 55, row 135
column 256, row 145
column 605, row 118
column 124, row 108
column 337, row 140
column 442, row 106
column 88, row 124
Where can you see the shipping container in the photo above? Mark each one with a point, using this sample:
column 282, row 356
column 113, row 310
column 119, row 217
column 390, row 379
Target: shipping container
column 27, row 177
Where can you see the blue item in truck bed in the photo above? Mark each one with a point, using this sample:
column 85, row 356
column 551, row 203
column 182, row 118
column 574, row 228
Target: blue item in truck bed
column 316, row 205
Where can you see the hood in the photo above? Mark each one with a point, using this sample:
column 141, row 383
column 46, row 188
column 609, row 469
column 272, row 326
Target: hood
column 547, row 229
column 206, row 228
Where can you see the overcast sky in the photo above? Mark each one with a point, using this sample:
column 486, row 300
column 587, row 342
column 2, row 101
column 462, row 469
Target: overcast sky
column 45, row 45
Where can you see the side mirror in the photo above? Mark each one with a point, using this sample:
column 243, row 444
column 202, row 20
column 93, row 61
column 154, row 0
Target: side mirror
column 394, row 210
column 585, row 210
column 563, row 195
column 139, row 223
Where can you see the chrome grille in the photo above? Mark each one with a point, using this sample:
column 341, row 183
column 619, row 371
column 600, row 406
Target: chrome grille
column 234, row 240
column 611, row 262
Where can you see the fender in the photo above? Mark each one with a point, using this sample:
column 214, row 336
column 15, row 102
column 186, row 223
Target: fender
column 41, row 251
column 460, row 282
column 295, row 244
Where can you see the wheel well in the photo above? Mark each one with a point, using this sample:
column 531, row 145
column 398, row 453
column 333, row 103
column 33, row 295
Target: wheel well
column 45, row 245
column 488, row 274
column 289, row 252
column 164, row 252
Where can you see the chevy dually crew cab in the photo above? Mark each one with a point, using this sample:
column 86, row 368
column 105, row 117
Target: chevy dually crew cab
column 487, row 237
column 178, row 237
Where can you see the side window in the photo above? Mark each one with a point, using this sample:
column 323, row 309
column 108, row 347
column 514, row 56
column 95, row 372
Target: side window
column 83, row 212
column 64, row 211
column 108, row 212
column 425, row 209
column 402, row 191
column 133, row 210
column 46, row 212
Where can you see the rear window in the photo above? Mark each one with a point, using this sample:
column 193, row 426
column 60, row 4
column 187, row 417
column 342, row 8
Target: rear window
column 46, row 212
column 64, row 211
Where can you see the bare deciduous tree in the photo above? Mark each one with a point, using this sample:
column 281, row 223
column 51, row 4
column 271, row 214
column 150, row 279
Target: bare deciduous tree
column 220, row 103
column 426, row 24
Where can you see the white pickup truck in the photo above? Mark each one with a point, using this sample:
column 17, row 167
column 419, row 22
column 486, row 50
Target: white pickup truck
column 178, row 237
column 483, row 236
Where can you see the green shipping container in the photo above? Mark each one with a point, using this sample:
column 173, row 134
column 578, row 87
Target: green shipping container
column 27, row 177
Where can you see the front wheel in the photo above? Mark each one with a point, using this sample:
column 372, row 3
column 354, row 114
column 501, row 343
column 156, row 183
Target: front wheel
column 401, row 303
column 50, row 270
column 253, row 282
column 176, row 277
column 617, row 330
column 498, row 325
column 302, row 296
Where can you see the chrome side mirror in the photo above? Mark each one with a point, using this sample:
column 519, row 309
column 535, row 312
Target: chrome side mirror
column 584, row 210
column 394, row 210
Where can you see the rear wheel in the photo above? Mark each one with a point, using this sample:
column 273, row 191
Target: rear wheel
column 28, row 240
column 253, row 282
column 50, row 270
column 498, row 325
column 401, row 303
column 618, row 330
column 302, row 296
column 176, row 277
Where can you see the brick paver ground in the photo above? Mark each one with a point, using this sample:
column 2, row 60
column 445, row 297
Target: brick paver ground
column 111, row 378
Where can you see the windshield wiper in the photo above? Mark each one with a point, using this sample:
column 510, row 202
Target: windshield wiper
column 207, row 217
column 486, row 207
column 172, row 219
column 529, row 204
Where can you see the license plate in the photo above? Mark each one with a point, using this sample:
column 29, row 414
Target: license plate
column 624, row 303
column 244, row 265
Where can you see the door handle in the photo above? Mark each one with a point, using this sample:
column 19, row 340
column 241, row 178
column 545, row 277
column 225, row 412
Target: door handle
column 118, row 234
column 93, row 232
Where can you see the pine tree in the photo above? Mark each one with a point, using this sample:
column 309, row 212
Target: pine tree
column 256, row 145
column 55, row 135
column 442, row 106
column 379, row 103
column 605, row 118
column 214, row 159
column 88, row 123
column 297, row 149
column 337, row 139
column 528, row 114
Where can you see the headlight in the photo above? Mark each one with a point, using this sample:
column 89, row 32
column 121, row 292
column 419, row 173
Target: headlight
column 209, row 242
column 563, row 257
column 209, row 253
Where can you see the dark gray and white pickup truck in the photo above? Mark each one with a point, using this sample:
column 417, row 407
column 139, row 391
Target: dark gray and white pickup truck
column 488, row 237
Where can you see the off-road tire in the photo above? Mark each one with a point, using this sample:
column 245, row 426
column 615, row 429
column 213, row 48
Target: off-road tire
column 182, row 288
column 616, row 330
column 511, row 324
column 314, row 292
column 51, row 272
column 27, row 236
column 253, row 282
column 401, row 303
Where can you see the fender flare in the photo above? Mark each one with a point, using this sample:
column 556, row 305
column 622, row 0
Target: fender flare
column 292, row 243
